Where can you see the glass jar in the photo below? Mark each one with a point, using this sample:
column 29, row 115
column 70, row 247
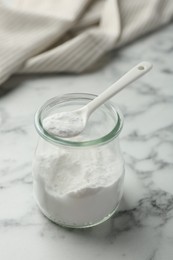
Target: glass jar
column 78, row 181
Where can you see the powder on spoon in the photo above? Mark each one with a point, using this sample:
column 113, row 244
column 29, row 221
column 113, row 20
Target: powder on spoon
column 65, row 124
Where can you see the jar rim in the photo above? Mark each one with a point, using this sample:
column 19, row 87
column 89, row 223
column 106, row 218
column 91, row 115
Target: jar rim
column 99, row 141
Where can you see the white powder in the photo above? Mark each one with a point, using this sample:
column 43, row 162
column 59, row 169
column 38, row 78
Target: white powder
column 77, row 188
column 65, row 124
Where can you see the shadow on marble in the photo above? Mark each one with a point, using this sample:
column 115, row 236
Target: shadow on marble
column 120, row 221
column 151, row 212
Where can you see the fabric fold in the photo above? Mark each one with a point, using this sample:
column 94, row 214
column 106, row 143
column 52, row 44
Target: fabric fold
column 70, row 36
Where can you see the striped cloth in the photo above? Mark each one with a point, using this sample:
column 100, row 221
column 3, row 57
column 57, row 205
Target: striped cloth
column 38, row 36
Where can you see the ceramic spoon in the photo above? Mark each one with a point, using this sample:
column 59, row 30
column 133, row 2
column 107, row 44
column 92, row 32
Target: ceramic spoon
column 69, row 124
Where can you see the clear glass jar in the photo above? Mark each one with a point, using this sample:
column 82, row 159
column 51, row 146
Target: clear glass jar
column 78, row 182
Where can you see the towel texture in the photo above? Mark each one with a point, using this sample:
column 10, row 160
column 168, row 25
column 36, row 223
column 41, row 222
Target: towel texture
column 71, row 35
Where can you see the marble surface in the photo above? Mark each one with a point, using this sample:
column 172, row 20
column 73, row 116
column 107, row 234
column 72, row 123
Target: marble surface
column 143, row 227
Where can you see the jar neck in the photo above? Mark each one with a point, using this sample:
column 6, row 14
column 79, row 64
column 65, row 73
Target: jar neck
column 50, row 107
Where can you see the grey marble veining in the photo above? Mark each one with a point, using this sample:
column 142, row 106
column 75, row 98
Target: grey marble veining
column 143, row 227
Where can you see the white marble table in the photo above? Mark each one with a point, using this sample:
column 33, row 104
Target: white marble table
column 143, row 227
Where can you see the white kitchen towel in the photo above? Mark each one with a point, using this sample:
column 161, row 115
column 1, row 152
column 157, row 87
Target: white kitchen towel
column 39, row 36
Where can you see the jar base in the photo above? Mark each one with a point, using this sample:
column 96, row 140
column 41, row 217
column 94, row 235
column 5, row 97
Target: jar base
column 88, row 225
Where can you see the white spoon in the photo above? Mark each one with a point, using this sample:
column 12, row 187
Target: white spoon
column 69, row 124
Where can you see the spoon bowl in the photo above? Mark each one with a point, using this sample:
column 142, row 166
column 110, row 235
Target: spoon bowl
column 66, row 124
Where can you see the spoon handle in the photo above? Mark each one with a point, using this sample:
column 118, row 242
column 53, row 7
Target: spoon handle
column 133, row 74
